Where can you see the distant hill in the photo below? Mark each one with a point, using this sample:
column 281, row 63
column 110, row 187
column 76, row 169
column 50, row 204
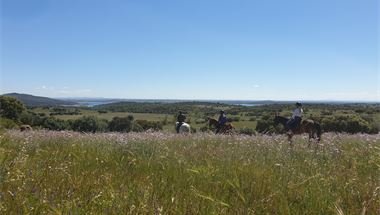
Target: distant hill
column 38, row 101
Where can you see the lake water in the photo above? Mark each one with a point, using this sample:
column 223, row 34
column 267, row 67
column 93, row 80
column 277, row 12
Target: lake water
column 249, row 105
column 92, row 104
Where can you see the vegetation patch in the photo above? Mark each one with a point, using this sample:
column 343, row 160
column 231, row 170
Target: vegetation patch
column 147, row 173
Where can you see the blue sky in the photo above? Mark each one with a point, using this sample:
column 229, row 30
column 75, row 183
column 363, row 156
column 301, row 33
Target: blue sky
column 191, row 49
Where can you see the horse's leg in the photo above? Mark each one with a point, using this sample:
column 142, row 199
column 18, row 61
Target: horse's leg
column 225, row 130
column 311, row 135
column 290, row 135
column 318, row 136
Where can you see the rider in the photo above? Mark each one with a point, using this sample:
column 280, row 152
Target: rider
column 181, row 119
column 296, row 119
column 221, row 121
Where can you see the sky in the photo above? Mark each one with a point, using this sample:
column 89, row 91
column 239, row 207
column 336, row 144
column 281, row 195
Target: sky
column 191, row 49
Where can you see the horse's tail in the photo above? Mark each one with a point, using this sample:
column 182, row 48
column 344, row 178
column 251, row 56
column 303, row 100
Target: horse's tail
column 319, row 130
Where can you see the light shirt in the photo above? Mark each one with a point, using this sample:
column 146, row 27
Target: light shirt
column 297, row 112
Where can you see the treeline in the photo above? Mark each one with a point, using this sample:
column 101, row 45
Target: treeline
column 161, row 108
column 350, row 118
column 85, row 123
column 14, row 113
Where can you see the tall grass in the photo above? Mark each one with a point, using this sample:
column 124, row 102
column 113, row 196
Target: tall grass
column 153, row 173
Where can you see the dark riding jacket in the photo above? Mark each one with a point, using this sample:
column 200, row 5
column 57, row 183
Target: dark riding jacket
column 222, row 119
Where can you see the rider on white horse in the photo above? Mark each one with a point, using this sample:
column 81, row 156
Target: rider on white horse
column 181, row 120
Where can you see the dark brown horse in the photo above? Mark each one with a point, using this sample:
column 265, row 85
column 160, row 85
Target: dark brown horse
column 226, row 129
column 307, row 126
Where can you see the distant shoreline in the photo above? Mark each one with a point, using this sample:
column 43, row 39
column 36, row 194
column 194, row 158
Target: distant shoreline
column 95, row 102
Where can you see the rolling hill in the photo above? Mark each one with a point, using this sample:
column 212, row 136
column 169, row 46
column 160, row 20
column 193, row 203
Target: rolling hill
column 38, row 101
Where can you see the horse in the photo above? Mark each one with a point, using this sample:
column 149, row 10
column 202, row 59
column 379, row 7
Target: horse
column 26, row 128
column 184, row 128
column 227, row 128
column 307, row 126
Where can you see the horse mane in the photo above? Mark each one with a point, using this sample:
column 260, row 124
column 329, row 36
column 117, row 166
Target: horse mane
column 281, row 119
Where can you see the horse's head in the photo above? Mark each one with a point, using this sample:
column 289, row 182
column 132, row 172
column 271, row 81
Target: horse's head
column 212, row 122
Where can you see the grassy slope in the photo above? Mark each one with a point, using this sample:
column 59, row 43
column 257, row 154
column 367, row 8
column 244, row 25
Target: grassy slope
column 150, row 173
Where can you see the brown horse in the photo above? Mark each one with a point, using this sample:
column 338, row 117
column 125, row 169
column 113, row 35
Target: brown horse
column 307, row 126
column 226, row 129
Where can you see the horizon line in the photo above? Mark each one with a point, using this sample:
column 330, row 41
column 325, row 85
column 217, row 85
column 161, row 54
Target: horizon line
column 203, row 99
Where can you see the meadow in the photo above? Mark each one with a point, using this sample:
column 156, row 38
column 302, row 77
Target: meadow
column 197, row 120
column 351, row 118
column 61, row 172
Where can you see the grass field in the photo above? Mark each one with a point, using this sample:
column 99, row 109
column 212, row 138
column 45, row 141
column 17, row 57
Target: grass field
column 244, row 123
column 108, row 115
column 152, row 173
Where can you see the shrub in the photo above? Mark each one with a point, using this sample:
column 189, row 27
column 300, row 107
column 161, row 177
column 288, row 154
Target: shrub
column 351, row 124
column 30, row 118
column 374, row 128
column 89, row 124
column 52, row 123
column 7, row 123
column 146, row 125
column 10, row 107
column 137, row 128
column 121, row 124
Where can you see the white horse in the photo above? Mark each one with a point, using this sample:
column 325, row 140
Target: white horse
column 184, row 129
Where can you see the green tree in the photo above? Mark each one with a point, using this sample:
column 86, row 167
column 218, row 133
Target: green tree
column 121, row 124
column 31, row 118
column 88, row 124
column 10, row 107
column 52, row 123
